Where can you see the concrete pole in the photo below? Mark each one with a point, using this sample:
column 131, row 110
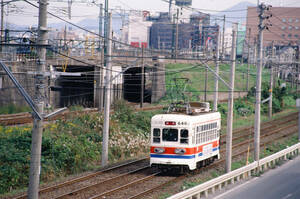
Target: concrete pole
column 215, row 108
column 170, row 9
column 258, row 93
column 223, row 38
column 248, row 62
column 173, row 37
column 2, row 22
column 101, row 81
column 104, row 159
column 298, row 124
column 255, row 53
column 298, row 59
column 105, row 24
column 271, row 83
column 230, row 103
column 176, row 39
column 37, row 131
column 205, row 84
column 142, row 79
column 298, row 106
column 100, row 23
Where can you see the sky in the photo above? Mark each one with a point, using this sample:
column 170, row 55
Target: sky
column 21, row 13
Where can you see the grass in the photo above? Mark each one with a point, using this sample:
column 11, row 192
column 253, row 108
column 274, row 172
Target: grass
column 12, row 109
column 239, row 122
column 196, row 75
column 72, row 146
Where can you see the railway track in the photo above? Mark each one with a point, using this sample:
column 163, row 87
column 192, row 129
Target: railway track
column 136, row 179
column 248, row 132
column 26, row 118
column 154, row 185
column 60, row 189
column 205, row 172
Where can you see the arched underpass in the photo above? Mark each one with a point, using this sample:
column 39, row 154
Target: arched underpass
column 132, row 85
column 76, row 90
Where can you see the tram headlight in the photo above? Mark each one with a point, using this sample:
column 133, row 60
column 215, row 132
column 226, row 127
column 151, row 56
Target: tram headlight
column 159, row 150
column 179, row 151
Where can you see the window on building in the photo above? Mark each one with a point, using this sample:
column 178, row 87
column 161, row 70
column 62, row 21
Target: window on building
column 290, row 27
column 296, row 36
column 296, row 20
column 283, row 35
column 296, row 27
column 283, row 27
column 289, row 35
column 283, row 20
column 290, row 20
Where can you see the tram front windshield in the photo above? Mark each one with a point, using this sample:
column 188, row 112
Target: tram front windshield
column 170, row 135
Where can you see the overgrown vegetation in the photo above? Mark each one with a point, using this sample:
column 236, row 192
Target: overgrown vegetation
column 11, row 109
column 72, row 146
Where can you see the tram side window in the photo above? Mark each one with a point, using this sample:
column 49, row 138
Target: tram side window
column 170, row 135
column 156, row 135
column 184, row 136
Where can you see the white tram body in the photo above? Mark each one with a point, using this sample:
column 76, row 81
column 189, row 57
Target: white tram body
column 182, row 140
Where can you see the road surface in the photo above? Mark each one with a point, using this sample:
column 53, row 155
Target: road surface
column 280, row 183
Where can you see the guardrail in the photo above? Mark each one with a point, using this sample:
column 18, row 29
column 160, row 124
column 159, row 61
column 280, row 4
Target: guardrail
column 218, row 183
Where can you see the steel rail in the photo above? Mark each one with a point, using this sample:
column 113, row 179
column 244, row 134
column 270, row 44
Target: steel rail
column 80, row 179
column 206, row 168
column 82, row 189
column 83, row 178
column 125, row 186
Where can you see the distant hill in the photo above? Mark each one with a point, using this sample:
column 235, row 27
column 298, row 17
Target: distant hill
column 91, row 24
column 237, row 13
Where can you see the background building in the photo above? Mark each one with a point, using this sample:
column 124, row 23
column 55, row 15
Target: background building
column 162, row 33
column 136, row 32
column 285, row 29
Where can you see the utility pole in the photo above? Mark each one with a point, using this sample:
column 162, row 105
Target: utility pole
column 205, row 84
column 230, row 103
column 298, row 106
column 101, row 95
column 104, row 159
column 248, row 64
column 170, row 9
column 255, row 52
column 176, row 40
column 262, row 8
column 65, row 38
column 223, row 38
column 100, row 23
column 142, row 79
column 37, row 131
column 217, row 71
column 297, row 58
column 173, row 37
column 271, row 83
column 2, row 23
column 105, row 24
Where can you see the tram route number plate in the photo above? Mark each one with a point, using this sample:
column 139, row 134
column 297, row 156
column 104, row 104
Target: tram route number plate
column 207, row 149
